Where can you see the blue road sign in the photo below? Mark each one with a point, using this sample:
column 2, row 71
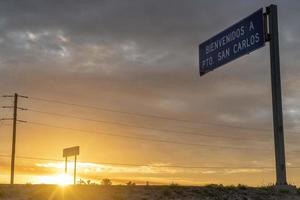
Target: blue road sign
column 241, row 38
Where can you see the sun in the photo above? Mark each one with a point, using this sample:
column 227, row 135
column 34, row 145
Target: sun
column 59, row 179
column 63, row 179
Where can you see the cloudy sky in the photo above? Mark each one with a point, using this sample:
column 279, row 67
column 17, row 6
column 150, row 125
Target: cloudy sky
column 141, row 57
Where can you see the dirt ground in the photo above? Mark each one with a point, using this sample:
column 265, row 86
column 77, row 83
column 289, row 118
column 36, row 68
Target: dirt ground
column 94, row 192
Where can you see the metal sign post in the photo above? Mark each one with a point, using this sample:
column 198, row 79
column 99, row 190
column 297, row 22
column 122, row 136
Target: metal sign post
column 240, row 39
column 276, row 96
column 72, row 151
column 66, row 165
column 75, row 161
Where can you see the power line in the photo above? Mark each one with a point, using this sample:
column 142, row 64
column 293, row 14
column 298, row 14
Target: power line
column 198, row 133
column 148, row 165
column 143, row 165
column 149, row 115
column 139, row 138
column 30, row 158
column 147, row 139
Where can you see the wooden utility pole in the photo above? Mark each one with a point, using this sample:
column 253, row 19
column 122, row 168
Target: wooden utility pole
column 15, row 120
column 13, row 151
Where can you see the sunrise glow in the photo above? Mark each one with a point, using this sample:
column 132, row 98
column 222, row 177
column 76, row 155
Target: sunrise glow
column 114, row 92
column 58, row 179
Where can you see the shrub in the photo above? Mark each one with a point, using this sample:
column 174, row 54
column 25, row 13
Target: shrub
column 241, row 187
column 130, row 183
column 106, row 182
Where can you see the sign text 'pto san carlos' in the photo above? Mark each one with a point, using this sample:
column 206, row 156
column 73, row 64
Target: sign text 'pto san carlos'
column 236, row 41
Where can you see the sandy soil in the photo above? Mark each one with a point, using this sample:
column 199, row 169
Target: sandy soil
column 93, row 192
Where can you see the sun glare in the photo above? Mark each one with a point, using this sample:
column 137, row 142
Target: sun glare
column 63, row 179
column 59, row 179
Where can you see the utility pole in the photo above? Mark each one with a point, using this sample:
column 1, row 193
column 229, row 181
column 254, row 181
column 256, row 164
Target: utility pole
column 15, row 120
column 13, row 150
column 272, row 37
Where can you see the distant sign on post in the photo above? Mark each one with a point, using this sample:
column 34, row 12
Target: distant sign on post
column 72, row 151
column 241, row 38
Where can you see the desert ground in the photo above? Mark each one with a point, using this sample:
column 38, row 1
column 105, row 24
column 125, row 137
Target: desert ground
column 96, row 192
